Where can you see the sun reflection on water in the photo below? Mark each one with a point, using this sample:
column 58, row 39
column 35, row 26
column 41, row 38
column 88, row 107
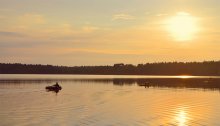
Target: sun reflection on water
column 181, row 117
column 184, row 76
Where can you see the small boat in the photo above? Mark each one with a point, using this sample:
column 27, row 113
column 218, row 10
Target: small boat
column 55, row 87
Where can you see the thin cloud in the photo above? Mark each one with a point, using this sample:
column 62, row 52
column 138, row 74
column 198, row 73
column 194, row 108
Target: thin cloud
column 160, row 15
column 5, row 10
column 122, row 16
column 32, row 19
column 67, row 32
column 14, row 34
column 103, row 51
column 89, row 29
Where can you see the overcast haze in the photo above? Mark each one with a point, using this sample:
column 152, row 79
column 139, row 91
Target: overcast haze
column 104, row 32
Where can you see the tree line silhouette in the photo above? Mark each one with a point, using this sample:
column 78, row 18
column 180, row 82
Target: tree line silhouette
column 209, row 68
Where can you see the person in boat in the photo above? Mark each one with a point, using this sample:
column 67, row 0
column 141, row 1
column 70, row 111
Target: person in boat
column 56, row 88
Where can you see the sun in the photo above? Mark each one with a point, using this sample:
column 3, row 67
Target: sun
column 182, row 26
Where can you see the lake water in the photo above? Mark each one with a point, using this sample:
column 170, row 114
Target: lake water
column 109, row 100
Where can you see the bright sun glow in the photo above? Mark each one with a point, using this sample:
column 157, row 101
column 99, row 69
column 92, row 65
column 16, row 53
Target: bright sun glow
column 183, row 26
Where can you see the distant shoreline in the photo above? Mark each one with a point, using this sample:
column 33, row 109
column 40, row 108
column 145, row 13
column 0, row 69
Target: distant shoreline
column 206, row 68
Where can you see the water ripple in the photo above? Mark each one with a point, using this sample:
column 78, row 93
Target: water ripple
column 97, row 104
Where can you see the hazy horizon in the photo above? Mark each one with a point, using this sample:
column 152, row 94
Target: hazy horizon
column 75, row 33
column 118, row 63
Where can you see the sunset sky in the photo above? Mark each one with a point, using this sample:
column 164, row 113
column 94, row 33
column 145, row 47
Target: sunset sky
column 104, row 32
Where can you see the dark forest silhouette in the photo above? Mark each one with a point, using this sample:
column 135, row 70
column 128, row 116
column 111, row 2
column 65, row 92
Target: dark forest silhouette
column 209, row 68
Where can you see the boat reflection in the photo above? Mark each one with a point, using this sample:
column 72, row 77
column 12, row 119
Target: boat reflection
column 209, row 84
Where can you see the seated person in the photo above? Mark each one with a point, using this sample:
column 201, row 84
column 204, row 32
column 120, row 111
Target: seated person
column 56, row 85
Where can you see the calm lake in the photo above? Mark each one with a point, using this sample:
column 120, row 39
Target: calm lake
column 107, row 100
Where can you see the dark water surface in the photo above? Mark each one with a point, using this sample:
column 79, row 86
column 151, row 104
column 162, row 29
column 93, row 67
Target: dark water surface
column 109, row 100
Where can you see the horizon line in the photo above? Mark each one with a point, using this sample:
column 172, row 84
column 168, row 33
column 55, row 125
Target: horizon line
column 160, row 62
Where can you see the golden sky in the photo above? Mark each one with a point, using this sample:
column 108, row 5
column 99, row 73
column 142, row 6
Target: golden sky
column 104, row 32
